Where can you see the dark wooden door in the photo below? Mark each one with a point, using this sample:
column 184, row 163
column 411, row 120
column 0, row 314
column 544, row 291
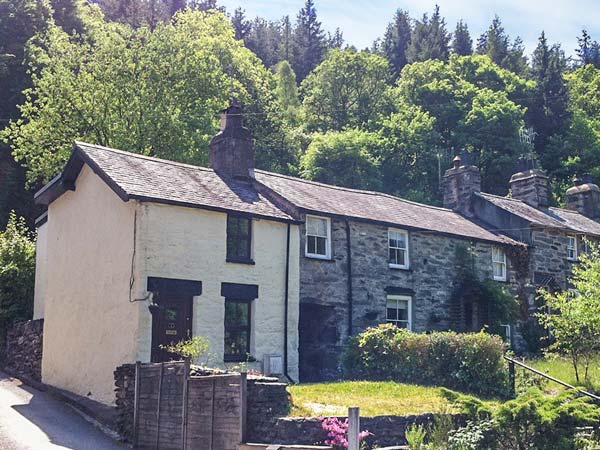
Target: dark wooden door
column 171, row 323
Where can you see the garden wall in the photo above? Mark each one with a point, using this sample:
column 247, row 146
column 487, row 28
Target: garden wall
column 24, row 342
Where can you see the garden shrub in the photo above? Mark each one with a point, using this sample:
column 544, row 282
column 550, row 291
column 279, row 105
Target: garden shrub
column 532, row 421
column 466, row 362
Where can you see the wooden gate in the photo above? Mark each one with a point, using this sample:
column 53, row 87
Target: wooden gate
column 175, row 411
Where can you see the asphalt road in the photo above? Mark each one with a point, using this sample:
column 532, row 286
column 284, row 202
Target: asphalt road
column 33, row 420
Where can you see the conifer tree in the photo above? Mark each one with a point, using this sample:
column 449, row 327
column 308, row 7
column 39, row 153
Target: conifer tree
column 588, row 51
column 240, row 24
column 285, row 46
column 309, row 41
column 396, row 41
column 548, row 112
column 287, row 91
column 462, row 44
column 496, row 44
column 263, row 39
column 429, row 39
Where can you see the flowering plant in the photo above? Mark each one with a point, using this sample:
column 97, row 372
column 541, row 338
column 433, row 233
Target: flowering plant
column 337, row 433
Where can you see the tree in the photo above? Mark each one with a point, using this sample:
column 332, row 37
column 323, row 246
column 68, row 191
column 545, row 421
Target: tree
column 476, row 106
column 285, row 50
column 348, row 89
column 240, row 24
column 156, row 93
column 335, row 40
column 496, row 44
column 342, row 158
column 17, row 273
column 548, row 112
column 287, row 90
column 264, row 39
column 429, row 39
column 396, row 41
column 588, row 51
column 462, row 44
column 574, row 315
column 309, row 41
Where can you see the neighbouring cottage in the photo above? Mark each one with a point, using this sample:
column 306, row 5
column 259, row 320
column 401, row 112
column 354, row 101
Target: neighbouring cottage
column 136, row 252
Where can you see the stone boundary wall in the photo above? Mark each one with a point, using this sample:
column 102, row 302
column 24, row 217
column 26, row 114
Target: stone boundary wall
column 386, row 430
column 24, row 342
column 267, row 401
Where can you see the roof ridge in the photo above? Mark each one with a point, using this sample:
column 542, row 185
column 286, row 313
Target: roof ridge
column 566, row 210
column 359, row 191
column 487, row 194
column 140, row 156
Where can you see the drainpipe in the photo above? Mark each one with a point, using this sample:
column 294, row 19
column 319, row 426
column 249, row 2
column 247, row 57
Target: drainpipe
column 286, row 305
column 349, row 269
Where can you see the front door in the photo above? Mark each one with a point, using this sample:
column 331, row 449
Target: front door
column 171, row 323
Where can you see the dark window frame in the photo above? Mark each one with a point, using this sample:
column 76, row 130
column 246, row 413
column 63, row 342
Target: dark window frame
column 243, row 237
column 245, row 328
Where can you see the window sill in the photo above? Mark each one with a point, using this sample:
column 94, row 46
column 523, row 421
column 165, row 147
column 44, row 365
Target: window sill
column 572, row 260
column 240, row 261
column 239, row 359
column 319, row 257
column 501, row 280
column 398, row 267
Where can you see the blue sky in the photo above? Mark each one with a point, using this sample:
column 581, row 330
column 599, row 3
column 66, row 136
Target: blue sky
column 362, row 21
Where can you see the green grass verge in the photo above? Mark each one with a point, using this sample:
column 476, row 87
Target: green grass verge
column 373, row 398
column 562, row 369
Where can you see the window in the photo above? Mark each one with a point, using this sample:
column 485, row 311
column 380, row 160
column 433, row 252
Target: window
column 239, row 239
column 398, row 249
column 499, row 263
column 237, row 330
column 399, row 311
column 572, row 248
column 318, row 237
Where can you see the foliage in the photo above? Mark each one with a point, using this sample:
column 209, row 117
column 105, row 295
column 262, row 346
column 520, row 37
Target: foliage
column 17, row 273
column 342, row 158
column 496, row 44
column 349, row 89
column 533, row 420
column 573, row 316
column 308, row 41
column 494, row 304
column 286, row 92
column 429, row 39
column 193, row 349
column 462, row 44
column 415, row 437
column 467, row 362
column 472, row 436
column 151, row 92
column 337, row 433
column 396, row 41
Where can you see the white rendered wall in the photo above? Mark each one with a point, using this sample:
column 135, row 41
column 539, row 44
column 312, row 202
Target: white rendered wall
column 186, row 243
column 90, row 326
column 41, row 254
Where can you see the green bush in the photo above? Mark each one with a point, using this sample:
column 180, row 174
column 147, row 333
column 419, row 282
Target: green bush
column 532, row 421
column 466, row 362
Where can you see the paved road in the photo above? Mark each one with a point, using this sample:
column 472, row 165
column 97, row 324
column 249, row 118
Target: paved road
column 33, row 420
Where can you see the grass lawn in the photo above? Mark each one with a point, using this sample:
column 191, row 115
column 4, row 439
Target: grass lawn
column 373, row 398
column 562, row 369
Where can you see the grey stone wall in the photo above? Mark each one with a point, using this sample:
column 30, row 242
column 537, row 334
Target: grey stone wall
column 386, row 430
column 549, row 264
column 24, row 342
column 324, row 300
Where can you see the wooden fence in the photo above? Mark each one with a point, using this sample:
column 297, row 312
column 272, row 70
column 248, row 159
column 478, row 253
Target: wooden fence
column 176, row 411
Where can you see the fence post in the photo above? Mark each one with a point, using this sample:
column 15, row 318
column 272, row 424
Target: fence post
column 512, row 378
column 136, row 403
column 244, row 404
column 160, row 380
column 184, row 411
column 353, row 428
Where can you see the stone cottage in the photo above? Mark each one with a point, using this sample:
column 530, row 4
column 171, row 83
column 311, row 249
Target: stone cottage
column 138, row 252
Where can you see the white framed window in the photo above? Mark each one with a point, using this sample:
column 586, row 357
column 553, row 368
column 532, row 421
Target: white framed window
column 318, row 237
column 398, row 249
column 572, row 248
column 499, row 263
column 399, row 311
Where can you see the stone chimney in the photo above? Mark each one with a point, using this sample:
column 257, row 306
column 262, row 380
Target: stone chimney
column 584, row 197
column 232, row 149
column 459, row 183
column 530, row 184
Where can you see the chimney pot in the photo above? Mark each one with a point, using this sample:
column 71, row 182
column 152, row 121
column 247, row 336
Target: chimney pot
column 456, row 162
column 584, row 197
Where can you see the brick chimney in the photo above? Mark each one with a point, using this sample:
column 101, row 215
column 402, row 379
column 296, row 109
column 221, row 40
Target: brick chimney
column 232, row 149
column 459, row 183
column 585, row 197
column 530, row 184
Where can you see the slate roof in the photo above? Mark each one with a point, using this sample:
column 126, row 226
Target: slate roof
column 374, row 206
column 134, row 176
column 559, row 218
